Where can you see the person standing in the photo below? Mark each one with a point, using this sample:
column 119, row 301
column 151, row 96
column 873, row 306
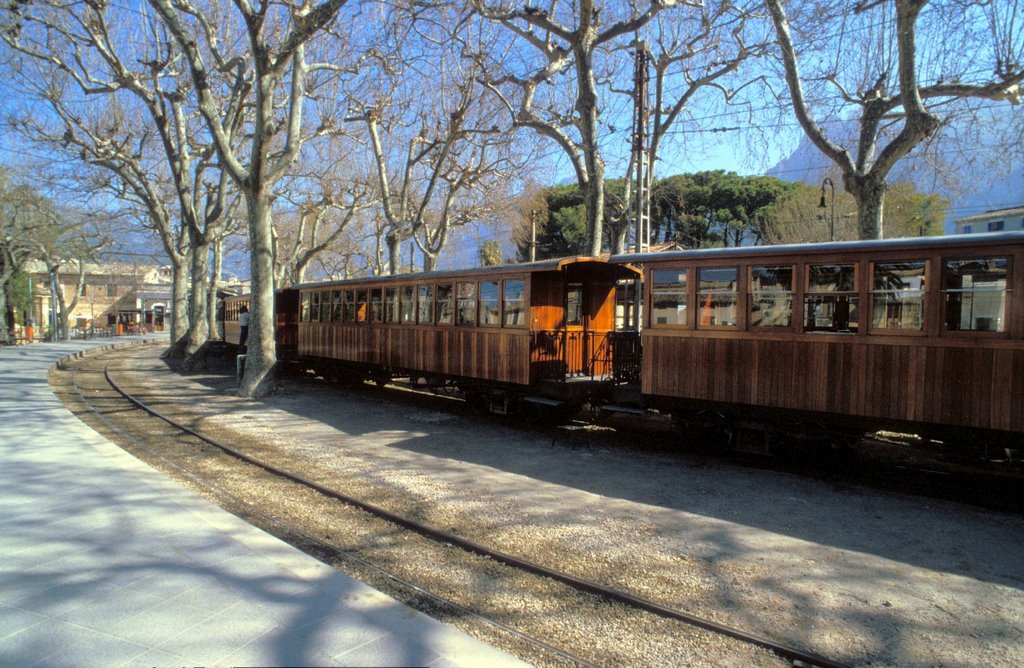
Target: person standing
column 243, row 326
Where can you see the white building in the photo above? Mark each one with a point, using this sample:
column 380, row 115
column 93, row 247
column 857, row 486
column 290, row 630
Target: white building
column 999, row 220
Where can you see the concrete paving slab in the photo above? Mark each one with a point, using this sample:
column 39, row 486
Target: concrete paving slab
column 108, row 563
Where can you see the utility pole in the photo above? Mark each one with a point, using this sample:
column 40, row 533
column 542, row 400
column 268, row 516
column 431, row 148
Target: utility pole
column 641, row 154
column 534, row 215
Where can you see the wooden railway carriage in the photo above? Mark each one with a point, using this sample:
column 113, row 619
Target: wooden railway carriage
column 913, row 333
column 286, row 319
column 230, row 311
column 537, row 333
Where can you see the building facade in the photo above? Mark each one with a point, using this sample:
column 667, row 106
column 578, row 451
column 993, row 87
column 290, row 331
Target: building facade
column 115, row 298
column 997, row 220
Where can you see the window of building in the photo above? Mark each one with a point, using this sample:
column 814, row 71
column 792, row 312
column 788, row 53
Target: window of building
column 230, row 311
column 897, row 300
column 668, row 296
column 967, row 229
column 831, row 303
column 995, row 226
column 425, row 299
column 408, row 305
column 489, row 316
column 445, row 307
column 515, row 305
column 974, row 292
column 391, row 304
column 716, row 297
column 771, row 296
column 574, row 304
column 465, row 313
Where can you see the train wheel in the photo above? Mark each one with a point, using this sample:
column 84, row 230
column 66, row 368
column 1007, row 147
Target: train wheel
column 477, row 402
column 705, row 431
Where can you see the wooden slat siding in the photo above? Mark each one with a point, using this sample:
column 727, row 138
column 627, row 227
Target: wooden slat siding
column 968, row 386
column 1016, row 407
column 501, row 355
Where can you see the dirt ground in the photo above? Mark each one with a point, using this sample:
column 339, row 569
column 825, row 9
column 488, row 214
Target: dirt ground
column 860, row 575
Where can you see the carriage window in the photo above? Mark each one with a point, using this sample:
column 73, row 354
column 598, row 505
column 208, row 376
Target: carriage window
column 336, row 305
column 898, row 295
column 717, row 296
column 305, row 309
column 668, row 296
column 515, row 311
column 444, row 304
column 626, row 305
column 325, row 306
column 426, row 304
column 376, row 307
column 831, row 303
column 408, row 305
column 574, row 304
column 974, row 292
column 465, row 313
column 314, row 307
column 390, row 304
column 349, row 314
column 490, row 316
column 362, row 299
column 771, row 296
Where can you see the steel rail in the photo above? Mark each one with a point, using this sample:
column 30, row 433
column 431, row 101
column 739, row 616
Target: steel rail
column 322, row 546
column 794, row 655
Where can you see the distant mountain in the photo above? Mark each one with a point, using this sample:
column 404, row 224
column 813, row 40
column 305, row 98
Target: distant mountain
column 970, row 189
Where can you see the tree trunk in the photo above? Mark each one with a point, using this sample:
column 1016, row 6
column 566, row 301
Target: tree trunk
column 394, row 254
column 586, row 108
column 179, row 309
column 6, row 319
column 198, row 330
column 594, row 199
column 869, row 193
column 261, row 358
column 179, row 299
column 214, row 286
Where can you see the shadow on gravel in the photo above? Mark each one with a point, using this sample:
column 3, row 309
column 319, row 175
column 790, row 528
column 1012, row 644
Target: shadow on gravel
column 645, row 468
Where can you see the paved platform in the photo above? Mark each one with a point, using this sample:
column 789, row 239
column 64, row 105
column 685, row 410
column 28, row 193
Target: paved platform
column 105, row 562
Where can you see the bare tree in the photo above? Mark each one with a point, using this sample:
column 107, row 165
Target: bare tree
column 566, row 38
column 900, row 75
column 319, row 203
column 102, row 137
column 69, row 248
column 23, row 215
column 83, row 44
column 696, row 53
column 440, row 148
column 273, row 57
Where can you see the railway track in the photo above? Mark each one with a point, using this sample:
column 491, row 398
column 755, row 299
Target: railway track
column 109, row 395
column 100, row 405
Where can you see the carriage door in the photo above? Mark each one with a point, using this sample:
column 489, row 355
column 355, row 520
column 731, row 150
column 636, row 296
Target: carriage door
column 575, row 335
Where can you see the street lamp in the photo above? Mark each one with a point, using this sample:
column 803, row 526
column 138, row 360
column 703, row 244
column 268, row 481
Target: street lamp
column 821, row 205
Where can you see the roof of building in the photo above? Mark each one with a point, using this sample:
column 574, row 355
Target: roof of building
column 994, row 213
column 98, row 268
